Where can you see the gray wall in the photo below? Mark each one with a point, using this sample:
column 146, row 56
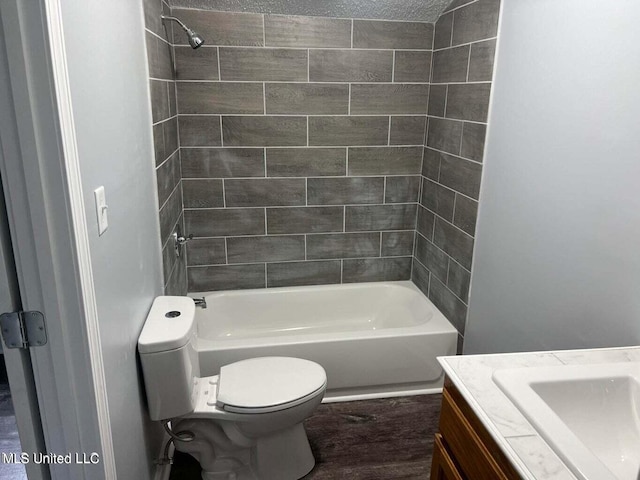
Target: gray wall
column 462, row 68
column 301, row 145
column 162, row 86
column 109, row 88
column 557, row 263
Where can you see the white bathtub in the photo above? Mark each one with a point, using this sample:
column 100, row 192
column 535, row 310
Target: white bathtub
column 373, row 339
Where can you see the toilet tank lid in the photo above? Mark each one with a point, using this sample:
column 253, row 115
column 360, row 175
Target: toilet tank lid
column 169, row 324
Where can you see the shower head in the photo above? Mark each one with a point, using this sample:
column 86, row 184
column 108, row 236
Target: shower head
column 194, row 38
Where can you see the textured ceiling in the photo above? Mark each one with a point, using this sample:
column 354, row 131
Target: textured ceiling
column 416, row 10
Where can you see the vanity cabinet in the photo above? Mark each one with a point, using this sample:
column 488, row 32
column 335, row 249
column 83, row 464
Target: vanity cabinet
column 463, row 448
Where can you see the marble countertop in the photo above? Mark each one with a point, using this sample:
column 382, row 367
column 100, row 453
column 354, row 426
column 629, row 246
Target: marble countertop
column 529, row 453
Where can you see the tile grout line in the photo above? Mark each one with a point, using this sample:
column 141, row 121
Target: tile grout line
column 393, row 67
column 352, row 33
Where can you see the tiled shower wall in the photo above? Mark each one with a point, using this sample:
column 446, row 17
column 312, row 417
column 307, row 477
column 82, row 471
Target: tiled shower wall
column 464, row 47
column 301, row 142
column 165, row 136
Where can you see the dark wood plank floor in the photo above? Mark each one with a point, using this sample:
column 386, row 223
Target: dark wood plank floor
column 9, row 440
column 388, row 439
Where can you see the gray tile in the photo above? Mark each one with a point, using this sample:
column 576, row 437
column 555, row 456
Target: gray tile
column 430, row 164
column 306, row 162
column 169, row 262
column 380, row 217
column 152, row 11
column 395, row 244
column 450, row 65
column 303, row 273
column 350, row 66
column 473, row 135
column 173, row 100
column 222, row 222
column 159, row 58
column 165, row 54
column 218, row 97
column 444, row 27
column 158, row 144
column 376, row 270
column 170, row 134
column 341, row 191
column 371, row 99
column 445, row 135
column 437, row 100
column 206, row 251
column 265, row 249
column 307, row 98
column 477, row 21
column 305, row 220
column 468, row 101
column 425, row 223
column 264, row 192
column 170, row 214
column 346, row 131
column 407, row 130
column 202, row 193
column 222, row 162
column 481, row 61
column 420, row 277
column 226, row 277
column 177, row 283
column 393, row 35
column 438, row 199
column 278, row 131
column 453, row 241
column 263, row 64
column 297, row 31
column 220, row 28
column 466, row 214
column 200, row 131
column 402, row 189
column 385, row 160
column 200, row 64
column 159, row 100
column 458, row 281
column 343, row 245
column 448, row 304
column 461, row 175
column 436, row 261
column 412, row 66
column 168, row 177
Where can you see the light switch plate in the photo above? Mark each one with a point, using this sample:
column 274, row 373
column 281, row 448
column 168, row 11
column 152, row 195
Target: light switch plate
column 101, row 210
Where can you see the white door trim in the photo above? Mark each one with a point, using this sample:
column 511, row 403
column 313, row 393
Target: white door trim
column 80, row 229
column 44, row 205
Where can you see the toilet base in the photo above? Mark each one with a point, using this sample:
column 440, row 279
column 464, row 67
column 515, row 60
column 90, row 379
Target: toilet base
column 284, row 455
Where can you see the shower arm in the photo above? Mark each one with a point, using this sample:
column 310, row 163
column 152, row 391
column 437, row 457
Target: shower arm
column 174, row 19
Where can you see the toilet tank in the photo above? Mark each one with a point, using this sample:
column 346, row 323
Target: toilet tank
column 167, row 348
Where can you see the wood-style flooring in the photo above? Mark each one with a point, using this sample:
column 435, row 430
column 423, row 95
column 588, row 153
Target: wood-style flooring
column 9, row 440
column 388, row 439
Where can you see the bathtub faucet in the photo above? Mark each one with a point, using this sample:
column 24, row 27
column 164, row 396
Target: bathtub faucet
column 200, row 302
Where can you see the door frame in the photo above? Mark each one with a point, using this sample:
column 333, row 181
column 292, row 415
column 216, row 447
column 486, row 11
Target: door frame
column 45, row 206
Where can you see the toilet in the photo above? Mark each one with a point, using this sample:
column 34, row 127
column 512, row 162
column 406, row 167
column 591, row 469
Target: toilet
column 245, row 423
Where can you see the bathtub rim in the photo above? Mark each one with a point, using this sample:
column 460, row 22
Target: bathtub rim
column 437, row 324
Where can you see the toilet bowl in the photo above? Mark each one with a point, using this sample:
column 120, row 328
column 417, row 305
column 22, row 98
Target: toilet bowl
column 245, row 422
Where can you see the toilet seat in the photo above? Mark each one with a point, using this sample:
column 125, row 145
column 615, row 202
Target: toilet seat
column 268, row 384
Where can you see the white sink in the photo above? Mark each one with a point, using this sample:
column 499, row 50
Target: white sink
column 588, row 414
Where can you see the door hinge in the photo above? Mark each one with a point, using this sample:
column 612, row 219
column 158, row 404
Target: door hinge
column 23, row 329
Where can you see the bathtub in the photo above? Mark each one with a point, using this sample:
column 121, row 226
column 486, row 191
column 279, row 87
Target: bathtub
column 374, row 340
